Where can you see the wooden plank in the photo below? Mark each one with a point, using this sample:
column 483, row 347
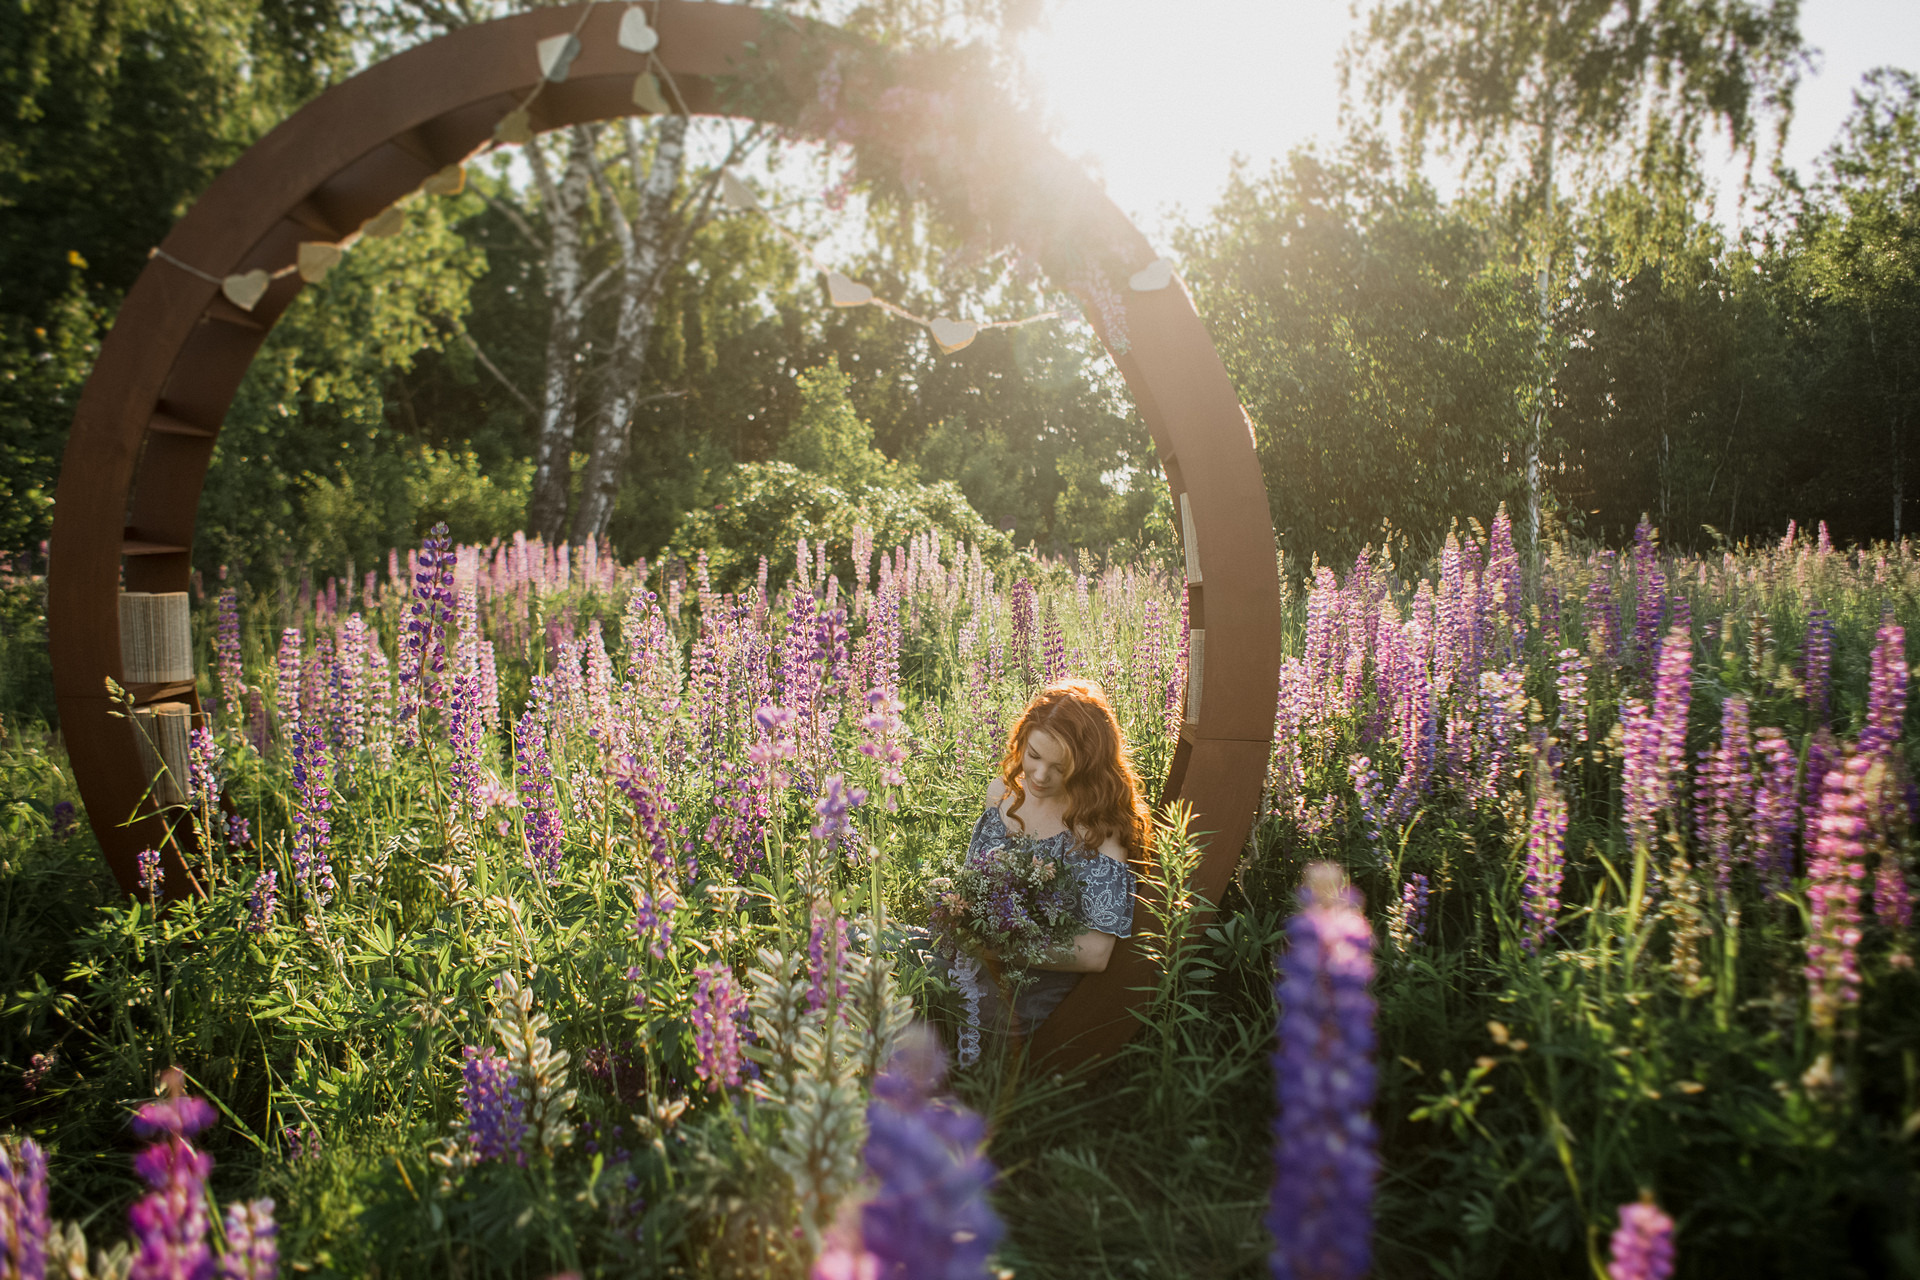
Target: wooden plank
column 171, row 426
column 141, row 547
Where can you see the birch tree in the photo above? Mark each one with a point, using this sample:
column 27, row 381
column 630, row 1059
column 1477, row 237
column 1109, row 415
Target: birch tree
column 1529, row 92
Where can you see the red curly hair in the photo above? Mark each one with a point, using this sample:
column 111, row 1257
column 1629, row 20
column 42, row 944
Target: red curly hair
column 1103, row 793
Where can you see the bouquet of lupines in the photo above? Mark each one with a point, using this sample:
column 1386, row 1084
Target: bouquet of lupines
column 1013, row 901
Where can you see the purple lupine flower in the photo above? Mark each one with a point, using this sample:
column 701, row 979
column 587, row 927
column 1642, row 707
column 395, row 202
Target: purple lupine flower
column 738, row 824
column 169, row 1224
column 1546, row 860
column 1502, row 576
column 352, row 673
column 881, row 730
column 1823, row 754
column 1776, row 807
column 652, row 814
column 1886, row 691
column 65, row 819
column 423, row 642
column 239, row 832
column 773, row 744
column 834, row 808
column 257, row 720
column 1724, row 817
column 490, row 1095
column 539, row 802
column 1603, row 626
column 286, row 685
column 466, row 731
column 152, row 874
column 928, row 1216
column 312, row 834
column 1054, row 642
column 1324, row 1157
column 826, row 955
column 1366, row 789
column 1836, row 864
column 1818, row 667
column 1025, row 614
column 204, row 757
column 1407, row 920
column 263, row 902
column 1650, row 589
column 39, row 1067
column 253, row 1247
column 1571, row 685
column 719, row 1007
column 1642, row 1245
column 226, row 650
column 1655, row 741
column 25, row 1221
column 653, row 919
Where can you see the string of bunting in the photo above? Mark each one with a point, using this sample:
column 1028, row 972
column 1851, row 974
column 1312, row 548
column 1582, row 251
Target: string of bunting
column 842, row 291
column 555, row 56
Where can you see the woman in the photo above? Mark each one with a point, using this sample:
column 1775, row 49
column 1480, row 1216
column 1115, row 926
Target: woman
column 1065, row 777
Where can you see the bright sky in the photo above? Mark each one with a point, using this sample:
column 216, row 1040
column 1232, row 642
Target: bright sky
column 1158, row 97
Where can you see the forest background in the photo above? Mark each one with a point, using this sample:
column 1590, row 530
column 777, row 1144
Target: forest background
column 584, row 342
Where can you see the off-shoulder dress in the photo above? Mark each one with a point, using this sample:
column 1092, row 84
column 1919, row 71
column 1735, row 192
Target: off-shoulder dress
column 1106, row 904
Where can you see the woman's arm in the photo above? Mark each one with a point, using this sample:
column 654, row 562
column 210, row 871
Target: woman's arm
column 1093, row 948
column 1088, row 954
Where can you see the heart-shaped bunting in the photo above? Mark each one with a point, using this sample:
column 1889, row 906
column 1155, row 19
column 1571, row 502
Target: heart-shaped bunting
column 951, row 335
column 647, row 95
column 514, row 127
column 245, row 289
column 556, row 56
column 635, row 34
column 387, row 222
column 737, row 194
column 316, row 258
column 448, row 182
column 843, row 292
column 1153, row 277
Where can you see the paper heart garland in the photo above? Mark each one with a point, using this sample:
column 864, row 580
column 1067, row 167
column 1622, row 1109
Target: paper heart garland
column 316, row 259
column 647, row 95
column 387, row 222
column 1153, row 277
column 556, row 56
column 951, row 335
column 514, row 127
column 843, row 292
column 244, row 290
column 635, row 34
column 737, row 194
column 448, row 182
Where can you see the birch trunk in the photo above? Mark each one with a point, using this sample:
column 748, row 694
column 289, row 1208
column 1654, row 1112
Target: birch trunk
column 567, row 293
column 648, row 247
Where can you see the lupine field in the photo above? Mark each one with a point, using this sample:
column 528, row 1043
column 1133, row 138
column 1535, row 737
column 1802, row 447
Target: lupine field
column 569, row 916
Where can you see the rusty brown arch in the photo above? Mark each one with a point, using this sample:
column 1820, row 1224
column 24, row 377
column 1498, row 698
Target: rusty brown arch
column 144, row 433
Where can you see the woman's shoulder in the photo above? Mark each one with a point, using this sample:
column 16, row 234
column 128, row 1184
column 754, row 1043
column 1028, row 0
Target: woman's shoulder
column 996, row 792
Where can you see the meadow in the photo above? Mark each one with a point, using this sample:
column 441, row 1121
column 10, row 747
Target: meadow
column 560, row 915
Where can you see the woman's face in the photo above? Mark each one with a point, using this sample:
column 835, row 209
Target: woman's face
column 1044, row 764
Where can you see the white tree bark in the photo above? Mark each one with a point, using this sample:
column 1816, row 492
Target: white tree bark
column 648, row 246
column 568, row 292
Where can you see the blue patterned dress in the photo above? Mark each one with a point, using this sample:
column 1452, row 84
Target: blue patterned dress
column 1106, row 904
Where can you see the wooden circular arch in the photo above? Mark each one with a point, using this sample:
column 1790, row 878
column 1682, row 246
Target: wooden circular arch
column 144, row 433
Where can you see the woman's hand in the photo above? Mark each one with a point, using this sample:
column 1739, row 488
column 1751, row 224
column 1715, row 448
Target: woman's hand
column 1089, row 954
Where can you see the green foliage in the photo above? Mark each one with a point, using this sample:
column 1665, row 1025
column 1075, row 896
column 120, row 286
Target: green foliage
column 323, row 415
column 116, row 116
column 1379, row 344
column 828, row 439
column 349, row 520
column 768, row 506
